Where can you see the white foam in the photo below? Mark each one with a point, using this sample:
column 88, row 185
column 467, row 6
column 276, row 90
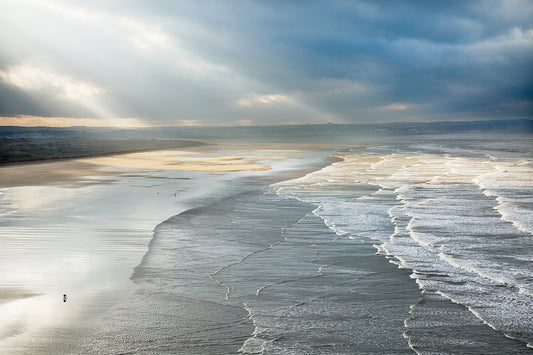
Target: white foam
column 460, row 223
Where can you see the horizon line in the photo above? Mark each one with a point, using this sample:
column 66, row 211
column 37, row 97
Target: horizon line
column 293, row 124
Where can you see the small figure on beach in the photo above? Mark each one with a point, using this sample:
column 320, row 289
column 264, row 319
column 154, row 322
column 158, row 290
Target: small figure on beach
column 65, row 297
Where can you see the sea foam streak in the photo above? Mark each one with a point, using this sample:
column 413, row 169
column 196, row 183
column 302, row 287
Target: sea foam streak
column 462, row 222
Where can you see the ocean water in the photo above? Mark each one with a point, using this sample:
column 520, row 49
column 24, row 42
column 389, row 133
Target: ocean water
column 458, row 215
column 419, row 244
column 405, row 244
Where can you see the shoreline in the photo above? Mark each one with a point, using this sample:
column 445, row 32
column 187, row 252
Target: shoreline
column 83, row 171
column 72, row 215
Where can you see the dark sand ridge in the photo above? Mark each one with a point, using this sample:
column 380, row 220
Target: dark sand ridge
column 67, row 170
column 17, row 150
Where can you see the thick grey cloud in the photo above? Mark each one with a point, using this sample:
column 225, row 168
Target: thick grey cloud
column 213, row 62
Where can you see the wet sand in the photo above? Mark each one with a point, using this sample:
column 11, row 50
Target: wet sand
column 79, row 227
column 8, row 294
column 185, row 161
column 49, row 173
column 262, row 274
column 82, row 171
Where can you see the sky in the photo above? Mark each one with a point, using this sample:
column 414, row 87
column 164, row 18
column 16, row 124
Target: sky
column 155, row 63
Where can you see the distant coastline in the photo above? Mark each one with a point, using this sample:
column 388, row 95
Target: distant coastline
column 269, row 131
column 29, row 144
column 26, row 150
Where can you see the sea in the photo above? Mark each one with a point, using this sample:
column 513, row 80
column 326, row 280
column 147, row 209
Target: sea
column 392, row 244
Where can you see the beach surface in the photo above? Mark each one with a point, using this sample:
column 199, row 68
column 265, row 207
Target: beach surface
column 417, row 244
column 80, row 227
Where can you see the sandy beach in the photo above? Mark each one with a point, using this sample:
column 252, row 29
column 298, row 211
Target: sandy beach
column 79, row 227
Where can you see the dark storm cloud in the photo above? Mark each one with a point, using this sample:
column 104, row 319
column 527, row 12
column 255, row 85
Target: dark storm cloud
column 218, row 62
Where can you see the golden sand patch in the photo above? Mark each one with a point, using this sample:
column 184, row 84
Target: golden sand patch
column 184, row 160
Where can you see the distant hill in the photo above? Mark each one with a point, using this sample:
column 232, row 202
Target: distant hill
column 13, row 150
